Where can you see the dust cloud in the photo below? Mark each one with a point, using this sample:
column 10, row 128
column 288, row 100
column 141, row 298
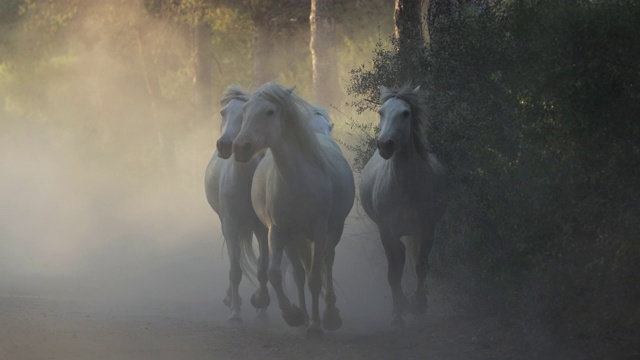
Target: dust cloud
column 103, row 200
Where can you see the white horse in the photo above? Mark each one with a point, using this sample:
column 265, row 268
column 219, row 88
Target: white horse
column 299, row 255
column 303, row 190
column 228, row 190
column 402, row 189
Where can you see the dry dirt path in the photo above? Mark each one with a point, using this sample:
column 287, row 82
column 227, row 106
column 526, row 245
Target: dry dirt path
column 34, row 328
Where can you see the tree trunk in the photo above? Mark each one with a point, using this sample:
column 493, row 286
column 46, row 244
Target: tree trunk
column 203, row 73
column 323, row 52
column 407, row 19
column 262, row 43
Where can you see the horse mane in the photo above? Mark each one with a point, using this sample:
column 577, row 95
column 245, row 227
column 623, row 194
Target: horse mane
column 296, row 117
column 319, row 110
column 234, row 92
column 419, row 121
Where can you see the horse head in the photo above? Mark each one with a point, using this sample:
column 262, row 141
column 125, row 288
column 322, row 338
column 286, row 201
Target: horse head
column 259, row 120
column 231, row 114
column 400, row 121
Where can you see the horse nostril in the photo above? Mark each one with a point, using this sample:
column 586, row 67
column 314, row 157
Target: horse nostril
column 223, row 145
column 385, row 144
column 242, row 147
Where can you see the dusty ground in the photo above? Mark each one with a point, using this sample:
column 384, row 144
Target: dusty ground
column 57, row 328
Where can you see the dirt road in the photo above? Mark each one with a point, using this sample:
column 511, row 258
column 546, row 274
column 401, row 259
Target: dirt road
column 35, row 328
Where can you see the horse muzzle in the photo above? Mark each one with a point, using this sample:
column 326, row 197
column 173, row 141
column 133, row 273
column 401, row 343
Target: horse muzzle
column 242, row 151
column 386, row 148
column 224, row 148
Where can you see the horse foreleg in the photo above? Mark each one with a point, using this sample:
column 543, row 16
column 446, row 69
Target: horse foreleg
column 260, row 299
column 291, row 313
column 419, row 302
column 395, row 251
column 235, row 276
column 299, row 276
column 331, row 317
column 319, row 242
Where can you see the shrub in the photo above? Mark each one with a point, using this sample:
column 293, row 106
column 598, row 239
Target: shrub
column 534, row 108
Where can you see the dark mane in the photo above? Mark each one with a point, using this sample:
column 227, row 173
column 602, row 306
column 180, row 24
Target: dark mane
column 419, row 120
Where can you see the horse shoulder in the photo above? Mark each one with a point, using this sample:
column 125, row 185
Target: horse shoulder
column 259, row 188
column 212, row 182
column 368, row 180
column 341, row 179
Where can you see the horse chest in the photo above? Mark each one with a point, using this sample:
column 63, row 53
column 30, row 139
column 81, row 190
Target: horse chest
column 295, row 207
column 405, row 202
column 235, row 190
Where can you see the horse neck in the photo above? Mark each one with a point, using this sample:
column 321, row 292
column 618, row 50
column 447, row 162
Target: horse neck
column 405, row 162
column 290, row 158
column 241, row 170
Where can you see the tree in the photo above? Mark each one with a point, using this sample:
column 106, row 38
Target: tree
column 537, row 123
column 263, row 43
column 408, row 24
column 442, row 12
column 408, row 36
column 323, row 53
column 203, row 72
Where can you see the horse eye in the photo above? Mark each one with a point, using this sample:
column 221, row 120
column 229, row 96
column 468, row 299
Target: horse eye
column 380, row 112
column 405, row 113
column 270, row 112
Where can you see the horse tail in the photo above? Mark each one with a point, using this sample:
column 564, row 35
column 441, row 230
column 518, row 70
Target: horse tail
column 248, row 259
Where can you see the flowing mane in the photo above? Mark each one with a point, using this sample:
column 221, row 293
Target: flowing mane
column 234, row 92
column 296, row 119
column 319, row 110
column 419, row 120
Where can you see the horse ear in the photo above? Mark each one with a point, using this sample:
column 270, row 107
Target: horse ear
column 416, row 89
column 290, row 90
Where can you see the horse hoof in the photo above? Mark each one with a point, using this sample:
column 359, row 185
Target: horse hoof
column 314, row 332
column 263, row 317
column 227, row 301
column 294, row 317
column 235, row 319
column 260, row 300
column 419, row 304
column 397, row 322
column 331, row 320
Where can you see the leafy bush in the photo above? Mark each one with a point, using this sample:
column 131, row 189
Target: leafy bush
column 534, row 108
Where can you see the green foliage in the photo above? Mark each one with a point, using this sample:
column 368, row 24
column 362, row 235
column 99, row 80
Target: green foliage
column 534, row 107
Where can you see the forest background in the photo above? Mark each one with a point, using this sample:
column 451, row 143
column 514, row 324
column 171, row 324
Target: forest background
column 534, row 109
